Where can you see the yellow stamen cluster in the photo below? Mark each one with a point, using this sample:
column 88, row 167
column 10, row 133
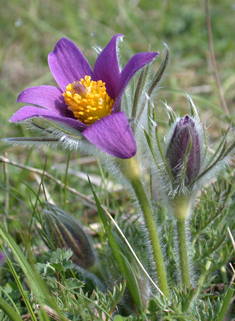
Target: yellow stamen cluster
column 88, row 100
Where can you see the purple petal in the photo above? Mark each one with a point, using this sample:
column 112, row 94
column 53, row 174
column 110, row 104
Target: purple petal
column 27, row 112
column 107, row 67
column 2, row 258
column 67, row 63
column 113, row 135
column 134, row 64
column 46, row 96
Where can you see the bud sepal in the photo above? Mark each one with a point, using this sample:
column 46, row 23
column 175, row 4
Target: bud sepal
column 184, row 163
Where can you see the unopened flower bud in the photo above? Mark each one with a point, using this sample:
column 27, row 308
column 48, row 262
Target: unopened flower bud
column 65, row 232
column 180, row 153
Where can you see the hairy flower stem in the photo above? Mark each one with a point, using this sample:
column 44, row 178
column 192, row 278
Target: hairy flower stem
column 183, row 253
column 130, row 170
column 153, row 235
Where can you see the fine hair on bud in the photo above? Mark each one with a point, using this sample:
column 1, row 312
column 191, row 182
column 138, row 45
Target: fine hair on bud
column 65, row 232
column 185, row 139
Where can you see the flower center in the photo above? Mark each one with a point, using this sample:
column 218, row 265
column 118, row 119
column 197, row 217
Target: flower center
column 88, row 100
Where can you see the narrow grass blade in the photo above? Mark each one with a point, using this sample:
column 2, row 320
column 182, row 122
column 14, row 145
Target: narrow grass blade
column 21, row 289
column 225, row 306
column 36, row 284
column 9, row 311
column 126, row 272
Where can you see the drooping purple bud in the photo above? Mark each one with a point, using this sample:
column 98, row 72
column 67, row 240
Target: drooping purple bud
column 65, row 232
column 185, row 133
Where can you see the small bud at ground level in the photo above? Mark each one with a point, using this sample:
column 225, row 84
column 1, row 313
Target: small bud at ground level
column 65, row 232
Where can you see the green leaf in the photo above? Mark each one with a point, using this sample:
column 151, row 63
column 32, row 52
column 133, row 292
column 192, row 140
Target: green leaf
column 36, row 287
column 46, row 269
column 118, row 317
column 72, row 284
column 9, row 311
column 61, row 255
column 59, row 262
column 62, row 266
column 226, row 303
column 35, row 282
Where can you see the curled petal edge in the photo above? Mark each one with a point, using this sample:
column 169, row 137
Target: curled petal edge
column 113, row 135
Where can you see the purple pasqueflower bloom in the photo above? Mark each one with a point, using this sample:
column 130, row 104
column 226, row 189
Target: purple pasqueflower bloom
column 87, row 100
column 185, row 132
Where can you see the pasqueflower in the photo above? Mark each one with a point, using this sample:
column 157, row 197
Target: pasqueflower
column 88, row 101
column 65, row 232
column 185, row 133
column 185, row 162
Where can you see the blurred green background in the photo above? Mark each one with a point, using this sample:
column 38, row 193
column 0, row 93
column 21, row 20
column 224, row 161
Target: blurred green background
column 30, row 29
